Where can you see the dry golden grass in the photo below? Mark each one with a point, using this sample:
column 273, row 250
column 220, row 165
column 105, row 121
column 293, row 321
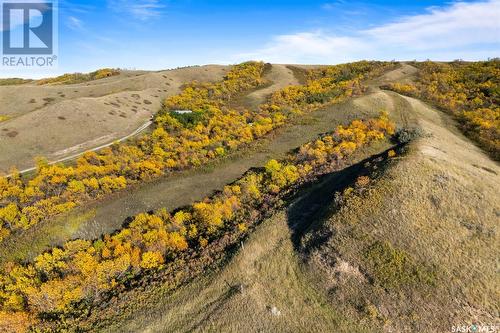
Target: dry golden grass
column 421, row 248
column 263, row 289
column 47, row 120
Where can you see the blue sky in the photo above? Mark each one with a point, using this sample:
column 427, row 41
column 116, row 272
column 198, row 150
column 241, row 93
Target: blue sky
column 159, row 34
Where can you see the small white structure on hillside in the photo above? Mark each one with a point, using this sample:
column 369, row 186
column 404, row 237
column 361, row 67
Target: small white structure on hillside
column 182, row 111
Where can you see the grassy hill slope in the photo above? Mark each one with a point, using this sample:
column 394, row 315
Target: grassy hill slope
column 56, row 121
column 418, row 251
column 413, row 249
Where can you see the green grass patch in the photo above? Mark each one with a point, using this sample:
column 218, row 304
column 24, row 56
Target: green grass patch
column 394, row 268
column 27, row 245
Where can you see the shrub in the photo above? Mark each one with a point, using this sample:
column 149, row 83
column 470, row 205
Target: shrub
column 83, row 273
column 407, row 134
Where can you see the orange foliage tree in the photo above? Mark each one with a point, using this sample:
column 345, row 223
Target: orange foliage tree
column 57, row 281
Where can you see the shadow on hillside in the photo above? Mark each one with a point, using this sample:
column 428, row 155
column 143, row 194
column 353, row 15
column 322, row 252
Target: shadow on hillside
column 314, row 202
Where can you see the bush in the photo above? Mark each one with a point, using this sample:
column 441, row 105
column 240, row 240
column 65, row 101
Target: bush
column 189, row 120
column 73, row 78
column 407, row 134
column 468, row 90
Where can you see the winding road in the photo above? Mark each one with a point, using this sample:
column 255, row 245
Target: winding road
column 280, row 76
column 72, row 157
column 179, row 189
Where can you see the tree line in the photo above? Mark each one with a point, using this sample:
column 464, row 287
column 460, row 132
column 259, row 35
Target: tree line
column 175, row 143
column 82, row 273
column 470, row 91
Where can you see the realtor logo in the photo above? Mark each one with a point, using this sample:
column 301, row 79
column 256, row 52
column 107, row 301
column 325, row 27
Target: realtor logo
column 29, row 29
column 37, row 26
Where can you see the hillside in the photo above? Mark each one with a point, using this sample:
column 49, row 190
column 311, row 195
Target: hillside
column 63, row 120
column 396, row 256
column 389, row 257
column 291, row 198
column 107, row 214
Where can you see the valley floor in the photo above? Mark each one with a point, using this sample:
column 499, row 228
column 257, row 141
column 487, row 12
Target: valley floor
column 416, row 252
column 105, row 216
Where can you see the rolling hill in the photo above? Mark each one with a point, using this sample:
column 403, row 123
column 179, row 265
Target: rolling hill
column 352, row 227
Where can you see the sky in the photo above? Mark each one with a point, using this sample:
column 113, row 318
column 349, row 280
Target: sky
column 161, row 34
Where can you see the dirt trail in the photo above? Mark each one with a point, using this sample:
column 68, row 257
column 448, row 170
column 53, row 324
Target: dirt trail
column 445, row 139
column 47, row 120
column 448, row 146
column 108, row 215
column 89, row 116
column 80, row 148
